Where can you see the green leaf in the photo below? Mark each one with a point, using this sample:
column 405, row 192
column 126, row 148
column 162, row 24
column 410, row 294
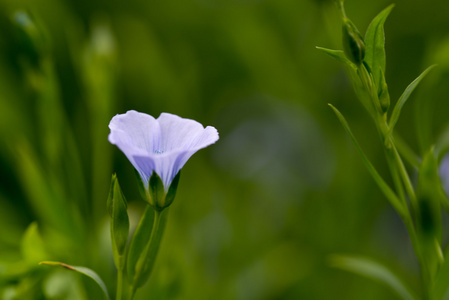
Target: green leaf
column 117, row 208
column 440, row 289
column 32, row 246
column 61, row 284
column 140, row 239
column 391, row 196
column 83, row 270
column 404, row 97
column 338, row 55
column 145, row 263
column 375, row 45
column 374, row 270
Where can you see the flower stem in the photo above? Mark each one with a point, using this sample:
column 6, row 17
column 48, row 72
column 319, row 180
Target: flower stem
column 401, row 180
column 118, row 295
column 132, row 292
column 147, row 258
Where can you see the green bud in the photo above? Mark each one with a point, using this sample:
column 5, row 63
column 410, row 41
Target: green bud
column 353, row 43
column 117, row 209
column 384, row 96
column 157, row 197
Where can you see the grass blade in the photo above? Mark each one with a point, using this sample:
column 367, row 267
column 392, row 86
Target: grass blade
column 373, row 270
column 404, row 97
column 388, row 192
column 338, row 55
column 83, row 270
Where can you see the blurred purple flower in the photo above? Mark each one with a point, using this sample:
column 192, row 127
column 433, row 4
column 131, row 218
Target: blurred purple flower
column 162, row 145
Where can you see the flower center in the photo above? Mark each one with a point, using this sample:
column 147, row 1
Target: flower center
column 158, row 151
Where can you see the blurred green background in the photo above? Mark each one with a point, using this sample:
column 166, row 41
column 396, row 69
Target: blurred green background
column 256, row 215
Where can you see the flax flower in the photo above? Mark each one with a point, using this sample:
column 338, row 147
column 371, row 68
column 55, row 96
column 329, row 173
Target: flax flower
column 161, row 145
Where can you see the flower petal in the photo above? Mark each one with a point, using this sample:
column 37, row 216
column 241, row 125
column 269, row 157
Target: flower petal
column 169, row 163
column 166, row 166
column 182, row 134
column 135, row 133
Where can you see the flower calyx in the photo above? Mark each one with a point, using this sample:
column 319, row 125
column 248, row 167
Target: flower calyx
column 156, row 195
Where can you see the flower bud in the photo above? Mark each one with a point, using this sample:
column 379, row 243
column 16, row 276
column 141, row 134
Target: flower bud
column 117, row 209
column 353, row 43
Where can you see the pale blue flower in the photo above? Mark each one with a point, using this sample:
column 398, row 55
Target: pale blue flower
column 162, row 145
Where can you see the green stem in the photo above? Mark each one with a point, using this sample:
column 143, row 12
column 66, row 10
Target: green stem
column 407, row 153
column 119, row 293
column 132, row 292
column 400, row 178
column 395, row 163
column 147, row 258
column 341, row 8
column 405, row 178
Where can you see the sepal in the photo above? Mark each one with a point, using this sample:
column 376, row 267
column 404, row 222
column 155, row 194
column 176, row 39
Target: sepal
column 157, row 197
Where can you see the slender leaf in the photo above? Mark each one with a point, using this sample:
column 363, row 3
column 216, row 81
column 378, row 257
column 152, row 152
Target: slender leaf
column 440, row 289
column 404, row 97
column 83, row 270
column 140, row 238
column 145, row 263
column 391, row 196
column 375, row 45
column 32, row 245
column 338, row 55
column 374, row 270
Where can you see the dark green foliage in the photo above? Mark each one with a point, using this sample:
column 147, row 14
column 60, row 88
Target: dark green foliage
column 256, row 216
